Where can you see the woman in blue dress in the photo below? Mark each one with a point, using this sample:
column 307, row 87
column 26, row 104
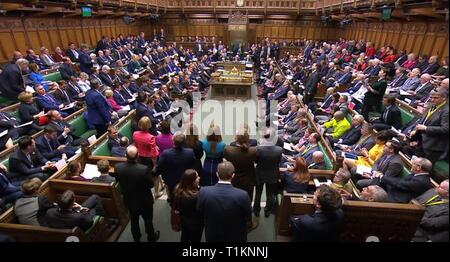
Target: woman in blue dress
column 214, row 148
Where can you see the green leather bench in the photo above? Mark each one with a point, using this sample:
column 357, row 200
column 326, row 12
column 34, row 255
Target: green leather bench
column 54, row 77
column 406, row 116
column 5, row 101
column 81, row 127
column 103, row 149
column 327, row 158
column 440, row 170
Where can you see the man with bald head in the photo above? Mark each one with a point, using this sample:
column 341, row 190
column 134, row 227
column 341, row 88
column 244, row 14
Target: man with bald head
column 423, row 89
column 413, row 80
column 318, row 161
column 337, row 126
column 433, row 65
column 136, row 182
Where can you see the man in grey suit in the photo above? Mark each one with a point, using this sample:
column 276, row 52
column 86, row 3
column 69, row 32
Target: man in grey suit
column 434, row 224
column 389, row 164
column 433, row 127
column 268, row 157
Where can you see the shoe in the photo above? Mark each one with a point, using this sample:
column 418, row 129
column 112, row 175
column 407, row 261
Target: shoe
column 155, row 237
column 267, row 213
column 256, row 213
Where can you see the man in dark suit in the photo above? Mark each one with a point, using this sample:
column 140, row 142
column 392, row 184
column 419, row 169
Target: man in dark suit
column 74, row 90
column 399, row 78
column 27, row 162
column 433, row 127
column 142, row 109
column 403, row 189
column 423, row 89
column 225, row 209
column 65, row 131
column 121, row 150
column 434, row 224
column 10, row 123
column 432, row 67
column 66, row 69
column 136, row 182
column 73, row 53
column 311, row 85
column 99, row 112
column 354, row 134
column 173, row 162
column 390, row 117
column 325, row 224
column 11, row 82
column 69, row 214
column 268, row 157
column 50, row 147
column 389, row 164
column 47, row 102
column 113, row 137
column 85, row 59
column 106, row 77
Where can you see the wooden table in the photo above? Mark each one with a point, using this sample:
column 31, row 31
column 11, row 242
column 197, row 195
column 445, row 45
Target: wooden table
column 231, row 89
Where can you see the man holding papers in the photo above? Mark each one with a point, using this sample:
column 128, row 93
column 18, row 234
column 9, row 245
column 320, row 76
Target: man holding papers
column 50, row 147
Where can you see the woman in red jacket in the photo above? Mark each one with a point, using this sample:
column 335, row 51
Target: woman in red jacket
column 146, row 144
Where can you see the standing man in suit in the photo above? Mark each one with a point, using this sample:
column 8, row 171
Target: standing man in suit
column 434, row 224
column 225, row 209
column 85, row 59
column 390, row 117
column 27, row 162
column 99, row 112
column 326, row 222
column 311, row 84
column 173, row 162
column 136, row 182
column 433, row 127
column 268, row 157
column 11, row 81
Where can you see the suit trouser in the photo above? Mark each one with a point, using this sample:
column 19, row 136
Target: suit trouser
column 94, row 203
column 270, row 197
column 146, row 211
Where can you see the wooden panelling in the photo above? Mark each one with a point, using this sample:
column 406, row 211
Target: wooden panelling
column 21, row 34
column 419, row 38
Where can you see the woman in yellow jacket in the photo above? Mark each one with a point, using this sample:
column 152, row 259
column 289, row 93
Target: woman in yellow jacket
column 368, row 158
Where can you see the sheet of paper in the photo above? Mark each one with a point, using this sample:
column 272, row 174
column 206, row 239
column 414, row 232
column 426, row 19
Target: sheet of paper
column 288, row 147
column 25, row 124
column 29, row 89
column 60, row 164
column 92, row 139
column 360, row 169
column 2, row 134
column 69, row 106
column 90, row 171
column 404, row 93
column 126, row 108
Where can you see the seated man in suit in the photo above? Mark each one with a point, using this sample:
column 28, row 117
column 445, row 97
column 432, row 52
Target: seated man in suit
column 422, row 90
column 345, row 78
column 9, row 191
column 47, row 102
column 412, row 81
column 50, row 147
column 326, row 222
column 65, row 130
column 355, row 84
column 113, row 137
column 67, row 69
column 33, row 58
column 10, row 123
column 399, row 78
column 354, row 134
column 121, row 150
column 374, row 193
column 390, row 117
column 106, row 77
column 27, row 162
column 225, row 209
column 434, row 224
column 403, row 189
column 70, row 214
column 103, row 168
column 389, row 164
column 318, row 161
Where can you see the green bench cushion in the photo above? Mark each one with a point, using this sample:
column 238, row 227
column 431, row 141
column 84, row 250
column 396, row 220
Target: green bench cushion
column 5, row 162
column 5, row 101
column 327, row 158
column 54, row 77
column 81, row 127
column 406, row 117
column 127, row 130
column 102, row 149
column 441, row 169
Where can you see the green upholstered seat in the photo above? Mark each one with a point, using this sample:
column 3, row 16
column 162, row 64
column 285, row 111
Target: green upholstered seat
column 327, row 158
column 5, row 101
column 5, row 162
column 102, row 149
column 406, row 116
column 440, row 170
column 127, row 130
column 81, row 127
column 54, row 77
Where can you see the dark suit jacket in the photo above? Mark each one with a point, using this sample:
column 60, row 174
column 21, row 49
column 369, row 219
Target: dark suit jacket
column 311, row 83
column 434, row 224
column 59, row 126
column 27, row 111
column 225, row 210
column 67, row 71
column 119, row 151
column 49, row 149
column 20, row 166
column 403, row 189
column 70, row 54
column 85, row 62
column 391, row 167
column 319, row 227
column 56, row 218
column 136, row 183
column 352, row 136
column 105, row 79
column 244, row 165
column 11, row 82
column 98, row 109
column 435, row 138
column 173, row 162
column 423, row 91
column 268, row 157
column 47, row 102
column 61, row 97
column 393, row 118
